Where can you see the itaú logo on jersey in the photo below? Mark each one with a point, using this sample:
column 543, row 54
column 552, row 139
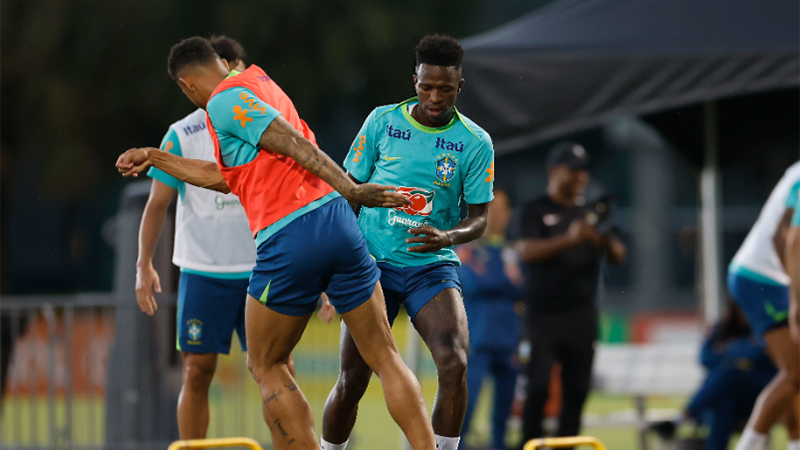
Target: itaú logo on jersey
column 421, row 201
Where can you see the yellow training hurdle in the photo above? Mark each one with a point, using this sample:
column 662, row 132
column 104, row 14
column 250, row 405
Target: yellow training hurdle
column 564, row 442
column 219, row 443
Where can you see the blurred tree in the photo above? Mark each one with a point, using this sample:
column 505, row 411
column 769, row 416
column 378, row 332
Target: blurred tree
column 86, row 79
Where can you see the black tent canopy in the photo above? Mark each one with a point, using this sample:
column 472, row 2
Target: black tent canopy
column 577, row 63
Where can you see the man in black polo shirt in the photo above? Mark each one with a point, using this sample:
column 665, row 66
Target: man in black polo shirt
column 563, row 250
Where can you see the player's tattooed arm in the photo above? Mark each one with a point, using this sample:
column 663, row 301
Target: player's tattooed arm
column 467, row 230
column 204, row 174
column 282, row 138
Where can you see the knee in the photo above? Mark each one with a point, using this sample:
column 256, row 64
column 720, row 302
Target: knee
column 451, row 364
column 793, row 374
column 198, row 374
column 260, row 368
column 789, row 378
column 352, row 384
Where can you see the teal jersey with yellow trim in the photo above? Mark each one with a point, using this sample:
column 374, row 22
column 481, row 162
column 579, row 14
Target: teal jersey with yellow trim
column 171, row 144
column 436, row 168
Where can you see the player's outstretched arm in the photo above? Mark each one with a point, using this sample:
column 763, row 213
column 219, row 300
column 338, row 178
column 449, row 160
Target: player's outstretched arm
column 204, row 174
column 467, row 230
column 282, row 138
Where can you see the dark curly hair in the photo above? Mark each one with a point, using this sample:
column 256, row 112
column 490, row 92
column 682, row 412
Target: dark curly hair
column 438, row 50
column 228, row 49
column 189, row 52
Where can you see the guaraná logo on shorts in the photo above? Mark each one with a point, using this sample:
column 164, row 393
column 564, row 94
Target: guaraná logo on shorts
column 421, row 201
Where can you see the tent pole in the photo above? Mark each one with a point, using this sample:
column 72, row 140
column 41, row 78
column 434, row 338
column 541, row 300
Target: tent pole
column 711, row 233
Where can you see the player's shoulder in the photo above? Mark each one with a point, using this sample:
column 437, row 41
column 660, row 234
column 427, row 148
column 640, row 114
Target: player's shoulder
column 386, row 112
column 224, row 106
column 475, row 130
column 227, row 96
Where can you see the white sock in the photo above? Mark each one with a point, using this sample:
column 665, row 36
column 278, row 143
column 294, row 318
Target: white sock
column 328, row 446
column 793, row 445
column 752, row 440
column 447, row 443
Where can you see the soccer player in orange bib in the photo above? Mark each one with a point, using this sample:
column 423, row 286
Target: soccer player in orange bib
column 307, row 237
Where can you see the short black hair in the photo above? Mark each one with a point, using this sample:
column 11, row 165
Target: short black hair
column 438, row 50
column 193, row 51
column 228, row 49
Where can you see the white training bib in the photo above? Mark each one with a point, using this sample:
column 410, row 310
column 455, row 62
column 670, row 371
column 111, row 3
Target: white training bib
column 757, row 253
column 211, row 230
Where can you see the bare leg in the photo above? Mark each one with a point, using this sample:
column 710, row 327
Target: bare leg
column 271, row 337
column 198, row 371
column 442, row 324
column 341, row 408
column 790, row 421
column 370, row 330
column 780, row 395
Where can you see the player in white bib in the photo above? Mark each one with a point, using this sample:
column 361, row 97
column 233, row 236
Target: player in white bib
column 759, row 282
column 215, row 252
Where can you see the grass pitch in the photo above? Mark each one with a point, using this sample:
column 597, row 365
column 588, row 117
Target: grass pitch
column 236, row 404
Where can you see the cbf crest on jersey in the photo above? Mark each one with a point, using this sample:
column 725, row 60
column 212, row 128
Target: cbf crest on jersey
column 445, row 168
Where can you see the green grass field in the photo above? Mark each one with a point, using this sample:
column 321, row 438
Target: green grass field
column 236, row 404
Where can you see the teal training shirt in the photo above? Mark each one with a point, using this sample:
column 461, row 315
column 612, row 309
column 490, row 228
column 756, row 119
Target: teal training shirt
column 436, row 168
column 238, row 145
column 171, row 144
column 794, row 196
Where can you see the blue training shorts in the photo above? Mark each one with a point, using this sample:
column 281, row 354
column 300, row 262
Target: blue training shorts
column 320, row 251
column 414, row 287
column 766, row 306
column 209, row 310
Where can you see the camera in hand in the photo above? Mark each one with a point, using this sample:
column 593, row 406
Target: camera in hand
column 598, row 213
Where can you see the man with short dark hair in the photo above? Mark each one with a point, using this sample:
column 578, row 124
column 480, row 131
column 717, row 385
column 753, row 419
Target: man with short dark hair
column 439, row 158
column 563, row 250
column 215, row 252
column 306, row 236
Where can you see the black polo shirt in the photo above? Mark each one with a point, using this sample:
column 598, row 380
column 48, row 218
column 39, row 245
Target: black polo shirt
column 567, row 281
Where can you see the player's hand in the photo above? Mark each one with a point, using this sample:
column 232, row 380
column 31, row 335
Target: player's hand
column 327, row 312
column 147, row 281
column 134, row 161
column 432, row 241
column 376, row 196
column 794, row 319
